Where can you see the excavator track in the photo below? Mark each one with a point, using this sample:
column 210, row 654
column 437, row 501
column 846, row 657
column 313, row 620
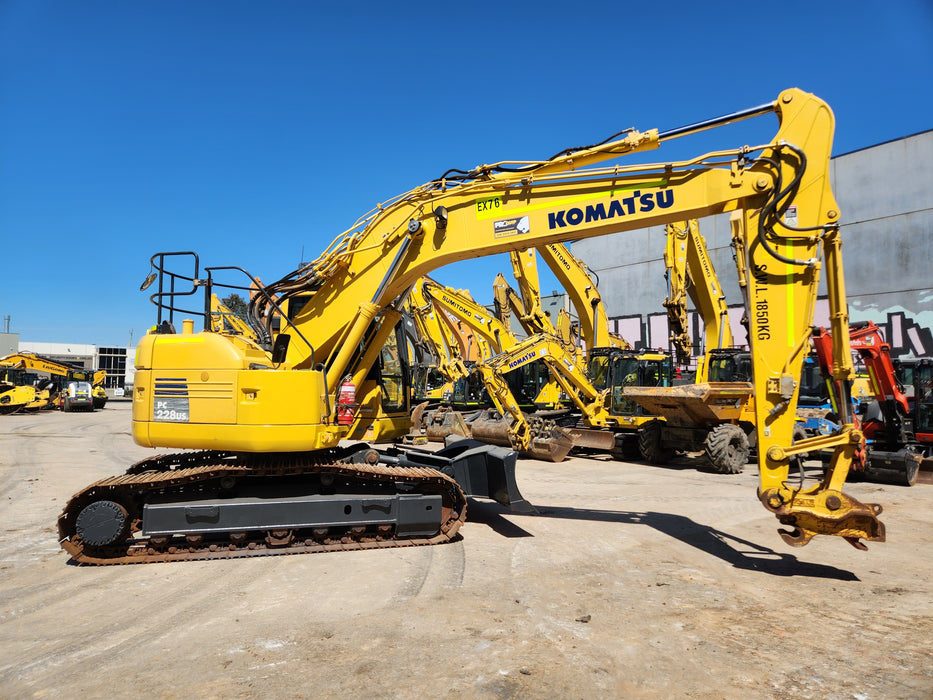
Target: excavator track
column 111, row 511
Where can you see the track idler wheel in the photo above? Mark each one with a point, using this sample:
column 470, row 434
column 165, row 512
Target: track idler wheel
column 102, row 523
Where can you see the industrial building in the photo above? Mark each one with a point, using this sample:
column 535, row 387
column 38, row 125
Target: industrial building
column 117, row 361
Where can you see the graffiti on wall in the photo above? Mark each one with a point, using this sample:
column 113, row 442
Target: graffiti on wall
column 906, row 337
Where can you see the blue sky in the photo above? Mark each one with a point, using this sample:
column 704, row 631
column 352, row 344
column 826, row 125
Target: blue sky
column 254, row 132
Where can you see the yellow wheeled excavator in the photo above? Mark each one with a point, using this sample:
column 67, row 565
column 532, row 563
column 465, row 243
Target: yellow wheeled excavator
column 269, row 474
column 716, row 413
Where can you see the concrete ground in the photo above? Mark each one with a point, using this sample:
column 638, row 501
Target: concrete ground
column 630, row 581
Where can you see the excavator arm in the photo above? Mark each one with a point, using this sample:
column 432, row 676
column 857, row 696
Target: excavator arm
column 461, row 305
column 527, row 302
column 866, row 339
column 490, row 328
column 675, row 264
column 690, row 273
column 576, row 279
column 432, row 327
column 781, row 188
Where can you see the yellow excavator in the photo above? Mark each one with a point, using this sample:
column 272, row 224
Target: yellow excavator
column 269, row 473
column 19, row 393
column 533, row 385
column 602, row 423
column 466, row 411
column 432, row 382
column 74, row 386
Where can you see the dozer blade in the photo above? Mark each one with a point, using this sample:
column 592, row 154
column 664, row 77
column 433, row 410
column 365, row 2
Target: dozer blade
column 901, row 467
column 485, row 471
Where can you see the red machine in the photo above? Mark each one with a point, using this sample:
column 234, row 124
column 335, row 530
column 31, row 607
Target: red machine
column 894, row 452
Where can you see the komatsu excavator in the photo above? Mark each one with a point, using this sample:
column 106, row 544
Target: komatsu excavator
column 270, row 474
column 467, row 412
column 601, row 419
column 533, row 385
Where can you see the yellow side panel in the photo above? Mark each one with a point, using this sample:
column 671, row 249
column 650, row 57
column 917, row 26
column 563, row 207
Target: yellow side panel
column 280, row 397
column 248, row 410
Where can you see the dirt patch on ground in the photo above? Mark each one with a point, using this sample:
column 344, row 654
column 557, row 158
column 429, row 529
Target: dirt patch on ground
column 629, row 581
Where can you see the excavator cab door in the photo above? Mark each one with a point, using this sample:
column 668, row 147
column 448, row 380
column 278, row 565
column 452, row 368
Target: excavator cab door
column 395, row 378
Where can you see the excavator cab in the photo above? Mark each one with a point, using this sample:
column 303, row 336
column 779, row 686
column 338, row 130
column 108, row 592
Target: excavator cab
column 730, row 365
column 615, row 369
column 524, row 382
column 428, row 383
column 645, row 369
column 394, row 376
column 813, row 390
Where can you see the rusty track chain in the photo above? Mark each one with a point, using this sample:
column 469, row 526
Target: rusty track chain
column 198, row 468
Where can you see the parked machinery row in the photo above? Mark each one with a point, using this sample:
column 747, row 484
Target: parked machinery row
column 24, row 385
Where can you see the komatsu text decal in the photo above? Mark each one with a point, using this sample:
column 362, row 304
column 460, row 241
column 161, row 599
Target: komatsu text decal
column 527, row 357
column 638, row 201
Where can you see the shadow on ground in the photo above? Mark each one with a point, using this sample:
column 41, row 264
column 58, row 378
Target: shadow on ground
column 736, row 551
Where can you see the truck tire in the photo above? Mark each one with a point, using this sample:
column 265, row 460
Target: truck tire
column 626, row 448
column 726, row 448
column 649, row 443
